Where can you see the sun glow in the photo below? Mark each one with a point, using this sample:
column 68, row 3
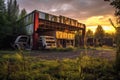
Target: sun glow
column 94, row 21
column 108, row 29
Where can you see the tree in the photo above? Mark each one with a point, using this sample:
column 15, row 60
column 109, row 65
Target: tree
column 4, row 29
column 2, row 18
column 89, row 38
column 12, row 14
column 116, row 5
column 2, row 6
column 89, row 34
column 99, row 34
column 110, row 35
column 2, row 12
column 12, row 11
column 21, row 24
column 23, row 13
column 8, row 16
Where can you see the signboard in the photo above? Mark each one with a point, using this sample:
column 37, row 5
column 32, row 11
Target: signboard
column 64, row 35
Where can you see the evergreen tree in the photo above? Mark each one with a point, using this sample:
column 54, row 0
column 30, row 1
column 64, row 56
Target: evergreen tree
column 2, row 12
column 12, row 11
column 2, row 6
column 8, row 17
column 4, row 29
column 1, row 15
column 12, row 15
column 23, row 13
column 21, row 24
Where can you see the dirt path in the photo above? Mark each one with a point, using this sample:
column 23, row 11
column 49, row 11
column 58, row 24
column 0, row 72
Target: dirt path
column 50, row 55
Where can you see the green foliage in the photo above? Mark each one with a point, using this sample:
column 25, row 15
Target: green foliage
column 23, row 13
column 3, row 22
column 12, row 58
column 118, row 49
column 81, row 68
column 12, row 11
column 9, row 14
column 20, row 27
column 116, row 5
column 2, row 6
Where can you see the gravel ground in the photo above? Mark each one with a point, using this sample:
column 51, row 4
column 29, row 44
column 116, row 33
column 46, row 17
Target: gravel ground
column 51, row 55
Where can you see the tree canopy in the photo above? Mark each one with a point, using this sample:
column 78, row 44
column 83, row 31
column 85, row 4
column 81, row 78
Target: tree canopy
column 23, row 13
column 89, row 33
column 99, row 33
column 12, row 10
column 116, row 5
column 9, row 14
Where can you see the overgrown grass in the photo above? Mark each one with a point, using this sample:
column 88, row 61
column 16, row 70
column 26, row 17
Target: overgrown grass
column 105, row 48
column 15, row 67
column 62, row 49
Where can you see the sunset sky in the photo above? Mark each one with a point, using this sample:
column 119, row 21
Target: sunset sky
column 89, row 12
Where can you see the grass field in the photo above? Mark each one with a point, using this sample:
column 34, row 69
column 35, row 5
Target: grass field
column 78, row 64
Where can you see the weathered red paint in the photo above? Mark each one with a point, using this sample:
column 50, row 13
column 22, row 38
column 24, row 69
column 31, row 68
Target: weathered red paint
column 35, row 34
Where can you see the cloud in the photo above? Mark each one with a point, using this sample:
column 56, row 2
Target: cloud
column 77, row 9
column 99, row 20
